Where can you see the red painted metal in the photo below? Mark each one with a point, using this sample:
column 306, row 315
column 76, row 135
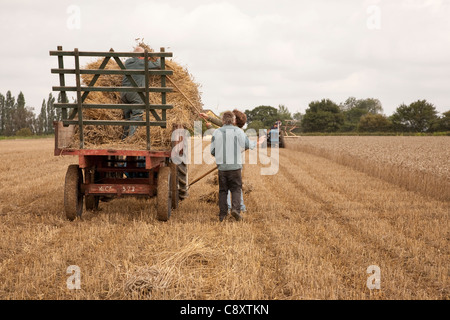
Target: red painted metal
column 152, row 158
column 101, row 161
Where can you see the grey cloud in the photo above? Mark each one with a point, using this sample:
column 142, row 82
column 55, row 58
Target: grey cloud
column 246, row 53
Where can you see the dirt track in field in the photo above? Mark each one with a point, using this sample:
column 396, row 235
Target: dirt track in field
column 311, row 232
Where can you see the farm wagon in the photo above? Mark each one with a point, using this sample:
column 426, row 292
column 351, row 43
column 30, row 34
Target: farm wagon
column 105, row 174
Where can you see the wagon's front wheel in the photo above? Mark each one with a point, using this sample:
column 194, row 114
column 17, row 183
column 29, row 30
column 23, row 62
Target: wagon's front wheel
column 164, row 194
column 73, row 198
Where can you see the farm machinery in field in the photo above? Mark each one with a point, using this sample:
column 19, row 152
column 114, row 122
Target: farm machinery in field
column 275, row 136
column 105, row 174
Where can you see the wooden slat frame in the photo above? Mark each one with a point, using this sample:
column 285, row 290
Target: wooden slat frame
column 112, row 106
column 111, row 54
column 112, row 71
column 111, row 89
column 83, row 91
column 115, row 123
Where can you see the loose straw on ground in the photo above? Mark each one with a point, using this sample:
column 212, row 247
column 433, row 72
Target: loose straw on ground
column 164, row 274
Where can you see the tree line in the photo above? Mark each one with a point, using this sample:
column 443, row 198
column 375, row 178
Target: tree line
column 354, row 115
column 18, row 119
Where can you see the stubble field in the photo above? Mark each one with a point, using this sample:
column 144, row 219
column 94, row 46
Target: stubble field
column 311, row 230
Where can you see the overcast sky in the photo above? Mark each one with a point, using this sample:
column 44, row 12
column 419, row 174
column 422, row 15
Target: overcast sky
column 247, row 53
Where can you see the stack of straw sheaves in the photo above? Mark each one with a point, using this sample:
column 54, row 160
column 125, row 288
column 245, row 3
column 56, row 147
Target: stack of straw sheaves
column 169, row 271
column 183, row 113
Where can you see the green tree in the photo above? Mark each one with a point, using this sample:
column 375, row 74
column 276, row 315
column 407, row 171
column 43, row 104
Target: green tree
column 419, row 116
column 51, row 115
column 256, row 125
column 266, row 114
column 374, row 123
column 10, row 104
column 443, row 123
column 19, row 117
column 42, row 119
column 371, row 105
column 354, row 109
column 322, row 116
column 30, row 119
column 24, row 132
column 2, row 114
column 58, row 111
column 297, row 116
column 283, row 113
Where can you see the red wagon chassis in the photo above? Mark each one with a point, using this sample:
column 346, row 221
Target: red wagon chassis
column 113, row 178
column 106, row 174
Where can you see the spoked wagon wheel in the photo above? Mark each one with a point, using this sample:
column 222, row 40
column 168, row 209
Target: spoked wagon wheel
column 174, row 185
column 183, row 181
column 164, row 194
column 91, row 201
column 73, row 198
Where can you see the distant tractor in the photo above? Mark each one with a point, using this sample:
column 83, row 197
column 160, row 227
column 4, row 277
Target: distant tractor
column 275, row 137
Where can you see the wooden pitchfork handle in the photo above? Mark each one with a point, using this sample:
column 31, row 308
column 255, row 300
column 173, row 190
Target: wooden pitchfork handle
column 179, row 90
column 202, row 176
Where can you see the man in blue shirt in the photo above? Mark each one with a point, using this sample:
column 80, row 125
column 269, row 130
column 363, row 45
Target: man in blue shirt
column 241, row 119
column 227, row 143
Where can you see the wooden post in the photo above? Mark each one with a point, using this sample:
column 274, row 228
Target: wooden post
column 62, row 83
column 163, row 85
column 147, row 99
column 79, row 101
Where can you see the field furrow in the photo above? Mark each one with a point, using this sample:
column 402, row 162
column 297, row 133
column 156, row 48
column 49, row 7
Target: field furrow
column 311, row 232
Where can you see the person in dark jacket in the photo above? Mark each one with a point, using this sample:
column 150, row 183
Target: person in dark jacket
column 136, row 63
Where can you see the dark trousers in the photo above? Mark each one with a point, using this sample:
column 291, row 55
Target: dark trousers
column 131, row 114
column 230, row 180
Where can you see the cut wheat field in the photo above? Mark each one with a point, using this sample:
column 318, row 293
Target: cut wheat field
column 335, row 207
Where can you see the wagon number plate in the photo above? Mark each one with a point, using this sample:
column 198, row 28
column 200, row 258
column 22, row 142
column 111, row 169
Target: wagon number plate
column 111, row 188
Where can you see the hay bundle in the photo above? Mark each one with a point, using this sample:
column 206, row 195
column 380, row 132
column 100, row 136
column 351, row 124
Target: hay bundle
column 212, row 197
column 168, row 271
column 183, row 113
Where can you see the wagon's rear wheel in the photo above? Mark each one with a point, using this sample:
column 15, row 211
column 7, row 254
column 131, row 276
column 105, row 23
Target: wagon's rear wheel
column 174, row 185
column 73, row 198
column 164, row 194
column 91, row 201
column 183, row 181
